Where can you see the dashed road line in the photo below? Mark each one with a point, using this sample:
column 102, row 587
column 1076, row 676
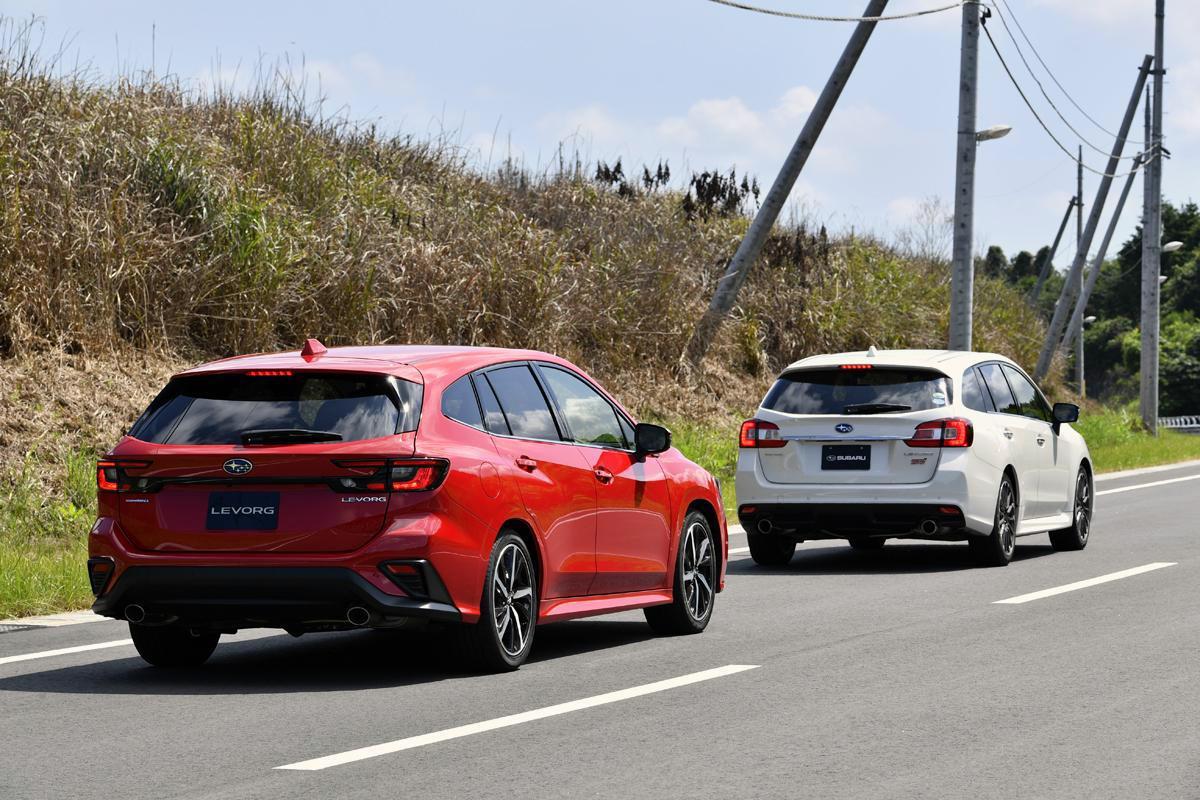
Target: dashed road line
column 1071, row 587
column 411, row 742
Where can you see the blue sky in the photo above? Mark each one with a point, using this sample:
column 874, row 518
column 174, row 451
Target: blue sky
column 693, row 83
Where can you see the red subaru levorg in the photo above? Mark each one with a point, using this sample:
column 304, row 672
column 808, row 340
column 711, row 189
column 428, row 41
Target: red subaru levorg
column 365, row 486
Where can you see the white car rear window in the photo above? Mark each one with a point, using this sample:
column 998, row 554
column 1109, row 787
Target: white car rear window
column 858, row 390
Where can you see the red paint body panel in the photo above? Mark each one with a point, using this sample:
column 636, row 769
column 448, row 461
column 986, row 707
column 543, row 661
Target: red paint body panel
column 601, row 545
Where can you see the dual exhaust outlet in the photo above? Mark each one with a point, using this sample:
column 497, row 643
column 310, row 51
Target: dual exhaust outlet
column 928, row 527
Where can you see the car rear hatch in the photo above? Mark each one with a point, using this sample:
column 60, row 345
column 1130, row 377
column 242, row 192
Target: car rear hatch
column 850, row 424
column 265, row 461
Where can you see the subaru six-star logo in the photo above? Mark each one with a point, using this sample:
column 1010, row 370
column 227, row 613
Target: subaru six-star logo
column 843, row 427
column 238, row 466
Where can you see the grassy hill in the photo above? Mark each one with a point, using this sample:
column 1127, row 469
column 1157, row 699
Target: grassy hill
column 144, row 226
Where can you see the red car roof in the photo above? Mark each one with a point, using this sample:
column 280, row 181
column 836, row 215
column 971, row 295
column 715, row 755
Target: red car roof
column 433, row 361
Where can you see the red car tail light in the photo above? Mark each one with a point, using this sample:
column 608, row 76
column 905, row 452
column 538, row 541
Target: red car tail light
column 111, row 477
column 269, row 373
column 393, row 475
column 952, row 432
column 759, row 433
column 855, row 366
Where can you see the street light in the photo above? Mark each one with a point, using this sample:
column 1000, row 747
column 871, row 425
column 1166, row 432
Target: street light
column 1089, row 320
column 1162, row 279
column 1171, row 247
column 994, row 132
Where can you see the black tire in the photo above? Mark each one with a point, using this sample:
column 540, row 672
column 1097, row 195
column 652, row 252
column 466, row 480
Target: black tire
column 503, row 637
column 696, row 576
column 173, row 646
column 996, row 549
column 867, row 542
column 1076, row 536
column 769, row 550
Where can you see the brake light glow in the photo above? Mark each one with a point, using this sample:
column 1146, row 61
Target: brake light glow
column 952, row 432
column 855, row 366
column 760, row 433
column 269, row 373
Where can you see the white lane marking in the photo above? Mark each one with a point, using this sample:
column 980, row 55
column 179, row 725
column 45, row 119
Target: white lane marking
column 514, row 719
column 1070, row 587
column 1129, row 473
column 1147, row 485
column 83, row 648
column 57, row 620
column 737, row 530
column 733, row 551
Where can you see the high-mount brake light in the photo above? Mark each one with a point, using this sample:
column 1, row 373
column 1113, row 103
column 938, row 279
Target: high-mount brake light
column 392, row 475
column 269, row 373
column 111, row 477
column 855, row 366
column 952, row 432
column 757, row 433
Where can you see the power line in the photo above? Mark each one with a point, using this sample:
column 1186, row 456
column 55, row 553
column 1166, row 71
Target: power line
column 822, row 18
column 1042, row 88
column 1012, row 78
column 1050, row 72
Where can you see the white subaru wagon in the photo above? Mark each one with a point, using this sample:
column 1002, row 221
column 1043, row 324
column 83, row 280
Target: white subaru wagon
column 911, row 444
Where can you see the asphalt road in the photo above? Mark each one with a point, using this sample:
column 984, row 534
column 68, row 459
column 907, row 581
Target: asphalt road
column 893, row 674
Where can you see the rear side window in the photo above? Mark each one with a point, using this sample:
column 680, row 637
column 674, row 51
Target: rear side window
column 1002, row 396
column 972, row 392
column 493, row 417
column 217, row 409
column 876, row 390
column 590, row 418
column 524, row 405
column 1032, row 404
column 458, row 402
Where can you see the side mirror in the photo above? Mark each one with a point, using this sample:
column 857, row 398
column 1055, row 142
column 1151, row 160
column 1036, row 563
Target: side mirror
column 649, row 439
column 1065, row 413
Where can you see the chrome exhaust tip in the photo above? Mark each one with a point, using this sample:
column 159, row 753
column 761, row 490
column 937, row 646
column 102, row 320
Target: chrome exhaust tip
column 357, row 616
column 765, row 526
column 929, row 527
column 135, row 613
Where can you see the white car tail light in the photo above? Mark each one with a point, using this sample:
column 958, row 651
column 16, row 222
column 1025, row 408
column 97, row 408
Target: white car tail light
column 759, row 433
column 952, row 432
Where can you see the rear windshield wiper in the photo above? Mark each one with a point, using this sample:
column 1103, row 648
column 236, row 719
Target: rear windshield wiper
column 874, row 408
column 288, row 436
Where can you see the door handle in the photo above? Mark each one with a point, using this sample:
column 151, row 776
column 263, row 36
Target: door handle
column 603, row 475
column 1041, row 440
column 526, row 463
column 1007, row 433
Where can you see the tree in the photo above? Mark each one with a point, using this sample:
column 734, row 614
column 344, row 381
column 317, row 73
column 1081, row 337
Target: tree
column 1022, row 266
column 995, row 263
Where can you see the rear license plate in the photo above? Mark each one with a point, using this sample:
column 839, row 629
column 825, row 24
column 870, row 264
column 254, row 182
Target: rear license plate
column 846, row 456
column 243, row 511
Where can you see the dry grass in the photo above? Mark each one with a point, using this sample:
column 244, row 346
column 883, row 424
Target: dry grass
column 141, row 214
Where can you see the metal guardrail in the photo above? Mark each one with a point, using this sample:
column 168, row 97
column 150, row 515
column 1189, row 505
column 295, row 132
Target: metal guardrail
column 1187, row 424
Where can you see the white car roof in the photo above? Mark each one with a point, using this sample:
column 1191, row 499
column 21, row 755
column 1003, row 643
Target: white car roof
column 943, row 360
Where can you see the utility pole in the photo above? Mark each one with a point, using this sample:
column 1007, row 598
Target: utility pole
column 1080, row 381
column 1047, row 263
column 1055, row 332
column 1075, row 328
column 962, row 275
column 760, row 227
column 1152, row 237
